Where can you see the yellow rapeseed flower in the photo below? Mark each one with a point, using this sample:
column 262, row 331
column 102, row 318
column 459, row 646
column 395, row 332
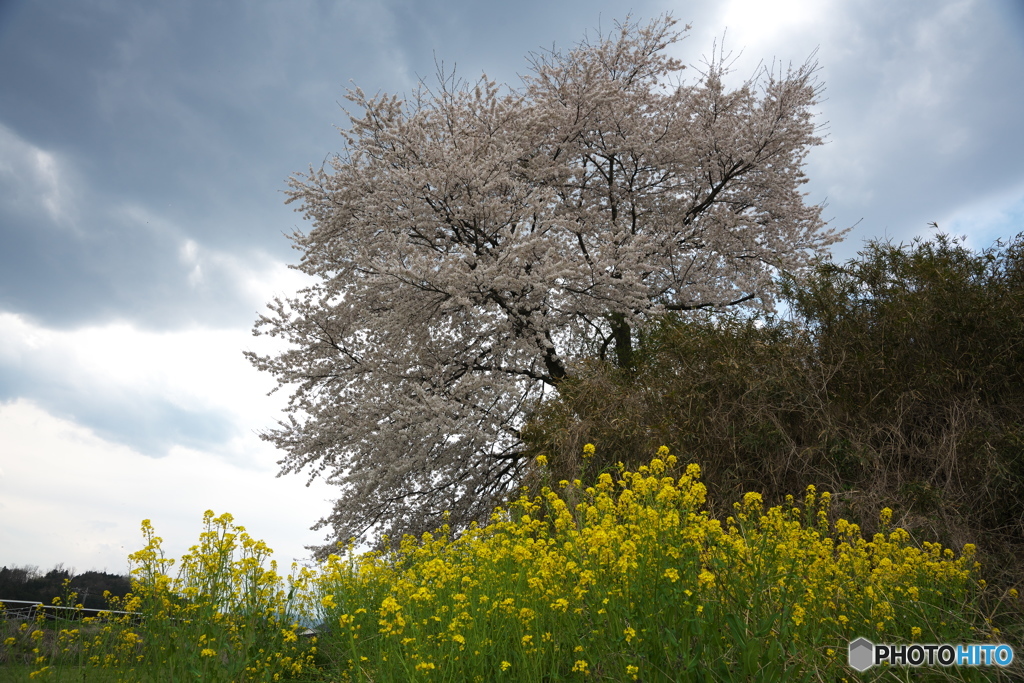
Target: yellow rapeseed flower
column 752, row 499
column 539, row 557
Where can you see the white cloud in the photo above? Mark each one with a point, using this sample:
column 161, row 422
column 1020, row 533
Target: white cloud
column 199, row 372
column 34, row 180
column 68, row 496
column 754, row 24
column 257, row 277
column 253, row 273
column 992, row 217
column 189, row 257
column 190, row 368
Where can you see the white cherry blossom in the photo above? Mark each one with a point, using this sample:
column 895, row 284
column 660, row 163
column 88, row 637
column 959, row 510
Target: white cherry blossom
column 475, row 242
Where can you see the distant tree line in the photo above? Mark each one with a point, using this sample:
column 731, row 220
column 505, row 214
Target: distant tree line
column 894, row 380
column 29, row 583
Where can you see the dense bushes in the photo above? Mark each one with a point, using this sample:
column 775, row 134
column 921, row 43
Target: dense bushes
column 896, row 379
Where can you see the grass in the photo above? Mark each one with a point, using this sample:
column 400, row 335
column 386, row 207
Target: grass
column 628, row 579
column 23, row 672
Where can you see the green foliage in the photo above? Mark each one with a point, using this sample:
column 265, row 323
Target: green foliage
column 709, row 387
column 898, row 378
column 927, row 345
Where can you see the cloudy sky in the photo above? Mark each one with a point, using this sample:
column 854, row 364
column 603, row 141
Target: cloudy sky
column 144, row 148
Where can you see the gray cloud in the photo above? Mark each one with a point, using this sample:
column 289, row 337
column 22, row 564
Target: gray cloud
column 149, row 390
column 143, row 148
column 147, row 424
column 923, row 115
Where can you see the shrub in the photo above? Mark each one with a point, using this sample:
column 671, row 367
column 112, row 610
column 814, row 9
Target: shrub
column 897, row 380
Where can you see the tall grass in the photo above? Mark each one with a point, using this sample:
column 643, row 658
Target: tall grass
column 628, row 579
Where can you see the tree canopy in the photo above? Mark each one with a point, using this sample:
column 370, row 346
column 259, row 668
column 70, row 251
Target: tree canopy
column 476, row 241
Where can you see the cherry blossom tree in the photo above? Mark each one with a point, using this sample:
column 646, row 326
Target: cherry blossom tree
column 476, row 241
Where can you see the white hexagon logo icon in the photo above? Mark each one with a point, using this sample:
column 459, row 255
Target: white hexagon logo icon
column 862, row 654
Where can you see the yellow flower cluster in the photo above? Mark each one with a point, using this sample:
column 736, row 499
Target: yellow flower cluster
column 224, row 616
column 239, row 612
column 630, row 578
column 585, row 580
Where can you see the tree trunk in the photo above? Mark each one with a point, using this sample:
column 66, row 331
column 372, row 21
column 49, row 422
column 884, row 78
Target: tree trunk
column 622, row 335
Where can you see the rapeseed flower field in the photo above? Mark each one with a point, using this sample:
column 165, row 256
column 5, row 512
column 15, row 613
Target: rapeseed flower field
column 628, row 579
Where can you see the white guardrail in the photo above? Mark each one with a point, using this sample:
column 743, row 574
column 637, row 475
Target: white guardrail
column 29, row 610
